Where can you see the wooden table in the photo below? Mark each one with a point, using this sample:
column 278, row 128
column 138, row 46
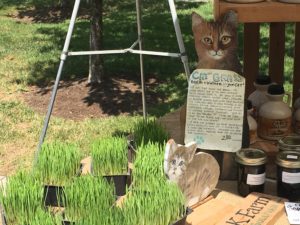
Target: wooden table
column 277, row 14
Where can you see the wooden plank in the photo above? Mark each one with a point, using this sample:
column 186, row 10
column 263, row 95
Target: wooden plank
column 296, row 79
column 216, row 7
column 256, row 208
column 276, row 52
column 251, row 55
column 267, row 11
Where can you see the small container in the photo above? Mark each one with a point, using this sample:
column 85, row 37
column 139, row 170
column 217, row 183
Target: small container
column 251, row 170
column 289, row 143
column 288, row 175
column 252, row 123
column 259, row 96
column 297, row 102
column 274, row 116
column 297, row 121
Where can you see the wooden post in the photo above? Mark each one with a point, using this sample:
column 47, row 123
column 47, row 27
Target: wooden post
column 296, row 79
column 276, row 52
column 251, row 55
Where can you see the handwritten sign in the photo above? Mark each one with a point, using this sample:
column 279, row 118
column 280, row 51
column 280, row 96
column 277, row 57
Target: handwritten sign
column 215, row 110
column 293, row 212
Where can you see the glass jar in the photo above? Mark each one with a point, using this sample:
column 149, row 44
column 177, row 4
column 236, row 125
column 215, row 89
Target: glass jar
column 289, row 143
column 251, row 170
column 288, row 175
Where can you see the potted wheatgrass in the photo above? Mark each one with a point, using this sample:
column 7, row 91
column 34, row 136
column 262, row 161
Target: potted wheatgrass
column 57, row 164
column 86, row 195
column 43, row 217
column 162, row 205
column 21, row 198
column 110, row 160
column 148, row 165
column 148, row 130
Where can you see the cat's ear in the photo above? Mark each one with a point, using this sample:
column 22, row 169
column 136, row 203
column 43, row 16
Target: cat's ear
column 171, row 147
column 191, row 150
column 231, row 17
column 196, row 20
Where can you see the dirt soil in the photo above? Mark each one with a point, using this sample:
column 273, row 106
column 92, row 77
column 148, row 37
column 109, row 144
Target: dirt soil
column 115, row 95
column 78, row 100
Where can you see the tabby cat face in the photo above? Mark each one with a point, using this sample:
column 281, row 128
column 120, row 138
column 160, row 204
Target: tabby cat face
column 177, row 158
column 177, row 165
column 215, row 40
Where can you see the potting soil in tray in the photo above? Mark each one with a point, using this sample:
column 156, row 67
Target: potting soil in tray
column 120, row 182
column 53, row 195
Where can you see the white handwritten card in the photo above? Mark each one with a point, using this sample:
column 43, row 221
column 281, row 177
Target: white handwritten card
column 215, row 110
column 293, row 212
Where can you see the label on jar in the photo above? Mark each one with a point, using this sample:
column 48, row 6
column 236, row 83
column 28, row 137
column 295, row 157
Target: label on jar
column 292, row 157
column 274, row 128
column 290, row 178
column 256, row 179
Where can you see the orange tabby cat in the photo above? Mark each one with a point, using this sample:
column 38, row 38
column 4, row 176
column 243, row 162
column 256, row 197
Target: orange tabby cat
column 216, row 44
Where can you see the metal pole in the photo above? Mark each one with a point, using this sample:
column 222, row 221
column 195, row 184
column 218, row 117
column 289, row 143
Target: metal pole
column 184, row 57
column 55, row 87
column 139, row 26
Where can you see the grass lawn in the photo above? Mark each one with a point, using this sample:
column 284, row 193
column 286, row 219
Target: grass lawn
column 29, row 55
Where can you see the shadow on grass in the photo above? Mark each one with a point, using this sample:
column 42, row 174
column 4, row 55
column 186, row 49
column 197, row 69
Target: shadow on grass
column 120, row 32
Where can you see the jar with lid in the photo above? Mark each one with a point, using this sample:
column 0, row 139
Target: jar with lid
column 289, row 143
column 259, row 96
column 252, row 123
column 288, row 175
column 251, row 170
column 274, row 116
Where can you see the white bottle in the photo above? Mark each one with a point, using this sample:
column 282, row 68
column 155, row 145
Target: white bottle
column 252, row 123
column 259, row 96
column 274, row 116
column 297, row 102
column 297, row 121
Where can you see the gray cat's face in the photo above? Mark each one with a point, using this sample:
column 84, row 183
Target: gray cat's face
column 177, row 167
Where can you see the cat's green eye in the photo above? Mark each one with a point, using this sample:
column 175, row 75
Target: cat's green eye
column 207, row 40
column 173, row 162
column 225, row 40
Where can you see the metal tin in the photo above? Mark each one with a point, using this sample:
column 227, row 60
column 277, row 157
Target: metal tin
column 288, row 175
column 251, row 170
column 289, row 143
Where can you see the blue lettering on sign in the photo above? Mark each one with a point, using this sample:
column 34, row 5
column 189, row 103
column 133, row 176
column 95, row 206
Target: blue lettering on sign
column 199, row 75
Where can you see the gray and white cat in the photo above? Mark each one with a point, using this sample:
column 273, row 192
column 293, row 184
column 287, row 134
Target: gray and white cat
column 196, row 174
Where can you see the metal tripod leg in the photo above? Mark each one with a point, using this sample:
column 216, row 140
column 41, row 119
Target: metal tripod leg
column 59, row 72
column 183, row 54
column 140, row 40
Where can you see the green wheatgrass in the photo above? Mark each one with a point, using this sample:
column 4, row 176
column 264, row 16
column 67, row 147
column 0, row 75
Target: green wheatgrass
column 149, row 130
column 162, row 204
column 109, row 156
column 148, row 165
column 43, row 217
column 87, row 195
column 57, row 163
column 21, row 198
